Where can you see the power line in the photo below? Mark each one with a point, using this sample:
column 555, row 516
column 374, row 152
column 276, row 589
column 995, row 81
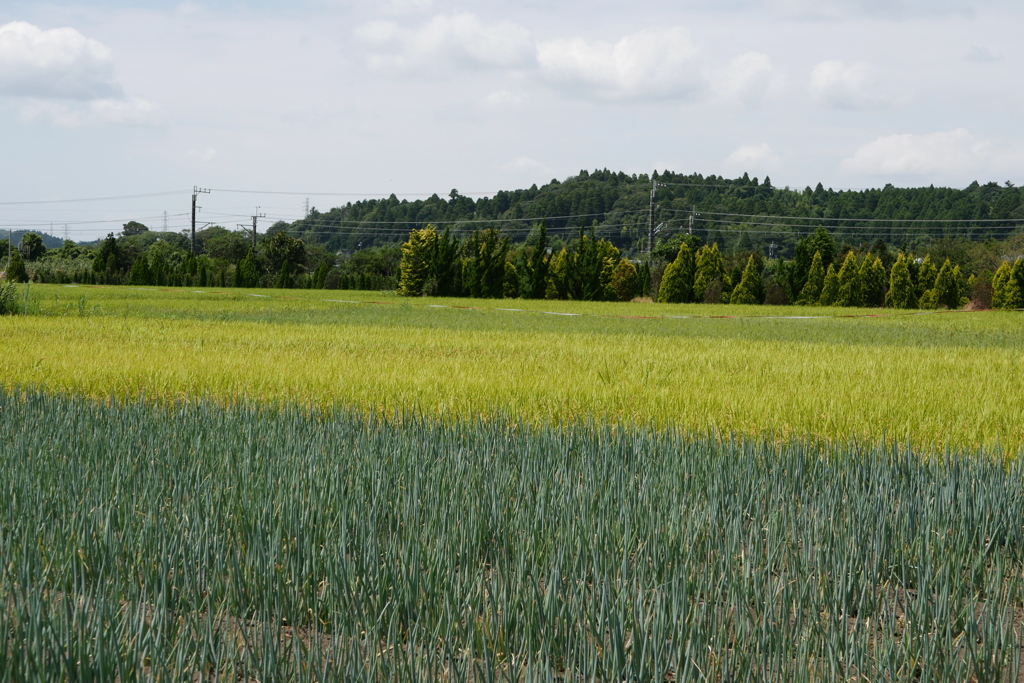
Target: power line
column 93, row 199
column 382, row 195
column 858, row 220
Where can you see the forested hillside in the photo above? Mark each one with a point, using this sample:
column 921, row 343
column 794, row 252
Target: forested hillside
column 742, row 213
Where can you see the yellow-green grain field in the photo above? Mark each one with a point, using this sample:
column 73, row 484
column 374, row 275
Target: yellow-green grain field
column 942, row 379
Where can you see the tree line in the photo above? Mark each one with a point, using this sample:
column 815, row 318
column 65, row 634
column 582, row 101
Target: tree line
column 222, row 258
column 485, row 264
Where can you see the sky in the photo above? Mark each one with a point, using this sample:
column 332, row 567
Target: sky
column 270, row 103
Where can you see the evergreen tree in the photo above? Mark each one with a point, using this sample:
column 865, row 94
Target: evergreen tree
column 870, row 285
column 535, row 266
column 157, row 269
column 815, row 280
column 875, row 292
column 746, row 291
column 849, row 282
column 947, row 289
column 417, row 253
column 111, row 270
column 677, row 281
column 284, row 277
column 139, row 274
column 901, row 287
column 107, row 248
column 821, row 243
column 511, row 284
column 248, row 274
column 625, row 281
column 999, row 284
column 830, row 288
column 926, row 275
column 1013, row 296
column 1017, row 272
column 320, row 275
column 557, row 275
column 445, row 268
column 710, row 268
column 644, row 278
column 484, row 266
column 16, row 268
column 1007, row 292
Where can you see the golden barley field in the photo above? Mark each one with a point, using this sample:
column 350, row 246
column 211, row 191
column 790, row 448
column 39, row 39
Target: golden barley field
column 940, row 379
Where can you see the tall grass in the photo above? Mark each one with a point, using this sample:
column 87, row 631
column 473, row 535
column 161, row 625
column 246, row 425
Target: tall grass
column 192, row 541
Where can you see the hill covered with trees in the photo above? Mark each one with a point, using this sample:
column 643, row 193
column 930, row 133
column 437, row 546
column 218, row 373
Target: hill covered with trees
column 745, row 213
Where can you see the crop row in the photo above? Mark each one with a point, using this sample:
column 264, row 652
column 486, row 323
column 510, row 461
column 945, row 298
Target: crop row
column 194, row 541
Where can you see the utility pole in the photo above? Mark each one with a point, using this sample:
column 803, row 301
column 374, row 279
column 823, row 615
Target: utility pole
column 307, row 208
column 192, row 242
column 650, row 218
column 254, row 218
column 693, row 214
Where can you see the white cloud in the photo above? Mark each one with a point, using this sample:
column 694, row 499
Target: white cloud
column 950, row 152
column 894, row 9
column 503, row 98
column 753, row 158
column 57, row 63
column 527, row 166
column 188, row 9
column 845, row 86
column 100, row 111
column 982, row 55
column 460, row 38
column 745, row 80
column 653, row 63
column 204, row 155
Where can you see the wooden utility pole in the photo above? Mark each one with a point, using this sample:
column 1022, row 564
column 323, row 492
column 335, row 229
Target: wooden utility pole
column 254, row 218
column 192, row 241
column 650, row 218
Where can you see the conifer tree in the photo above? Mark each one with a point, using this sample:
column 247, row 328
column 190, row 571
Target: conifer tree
column 871, row 281
column 557, row 275
column 1013, row 297
column 445, row 267
column 511, row 283
column 1017, row 272
column 877, row 283
column 947, row 289
column 999, row 284
column 901, row 287
column 811, row 291
column 926, row 275
column 247, row 272
column 535, row 266
column 625, row 281
column 709, row 268
column 16, row 268
column 139, row 274
column 677, row 281
column 849, row 282
column 644, row 278
column 1007, row 292
column 417, row 252
column 830, row 288
column 319, row 275
column 284, row 278
column 745, row 291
